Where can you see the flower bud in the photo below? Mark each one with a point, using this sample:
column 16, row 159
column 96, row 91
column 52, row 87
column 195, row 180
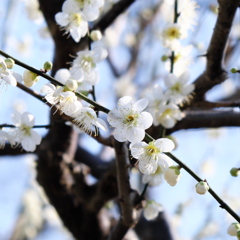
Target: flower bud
column 164, row 58
column 47, row 66
column 234, row 70
column 96, row 35
column 202, row 187
column 30, row 78
column 152, row 210
column 71, row 84
column 172, row 175
column 9, row 63
column 235, row 172
column 233, row 229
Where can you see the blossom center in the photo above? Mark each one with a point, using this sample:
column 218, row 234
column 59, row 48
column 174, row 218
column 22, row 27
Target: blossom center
column 177, row 57
column 131, row 118
column 176, row 87
column 26, row 130
column 167, row 112
column 173, row 33
column 76, row 17
column 151, row 149
column 87, row 63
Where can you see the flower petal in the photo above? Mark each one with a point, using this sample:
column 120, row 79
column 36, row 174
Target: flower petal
column 119, row 135
column 62, row 75
column 28, row 119
column 164, row 144
column 148, row 167
column 135, row 134
column 145, row 120
column 164, row 162
column 101, row 124
column 137, row 149
column 140, row 105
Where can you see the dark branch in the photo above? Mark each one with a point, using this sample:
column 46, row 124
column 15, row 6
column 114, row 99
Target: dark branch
column 113, row 13
column 207, row 119
column 214, row 73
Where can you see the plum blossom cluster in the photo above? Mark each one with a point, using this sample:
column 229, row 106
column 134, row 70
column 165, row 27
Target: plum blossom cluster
column 22, row 134
column 164, row 106
column 76, row 14
column 175, row 31
column 130, row 122
column 79, row 78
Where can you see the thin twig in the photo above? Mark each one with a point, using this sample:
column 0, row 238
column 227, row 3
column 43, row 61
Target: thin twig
column 53, row 80
column 195, row 176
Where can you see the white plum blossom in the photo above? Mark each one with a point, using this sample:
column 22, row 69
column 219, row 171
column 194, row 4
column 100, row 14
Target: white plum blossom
column 62, row 75
column 73, row 20
column 202, row 187
column 5, row 137
column 84, row 65
column 150, row 155
column 177, row 88
column 168, row 115
column 86, row 119
column 233, row 229
column 154, row 179
column 52, row 93
column 129, row 120
column 171, row 36
column 172, row 175
column 33, row 11
column 152, row 209
column 24, row 134
column 69, row 103
column 6, row 76
column 188, row 13
column 155, row 98
column 88, row 7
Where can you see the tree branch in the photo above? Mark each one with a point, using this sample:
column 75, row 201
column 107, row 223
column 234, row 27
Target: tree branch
column 125, row 193
column 207, row 119
column 112, row 14
column 214, row 73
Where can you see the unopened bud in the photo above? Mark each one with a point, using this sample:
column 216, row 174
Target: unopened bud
column 233, row 229
column 164, row 58
column 71, row 84
column 172, row 175
column 235, row 172
column 96, row 35
column 30, row 78
column 234, row 70
column 9, row 62
column 202, row 187
column 47, row 66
